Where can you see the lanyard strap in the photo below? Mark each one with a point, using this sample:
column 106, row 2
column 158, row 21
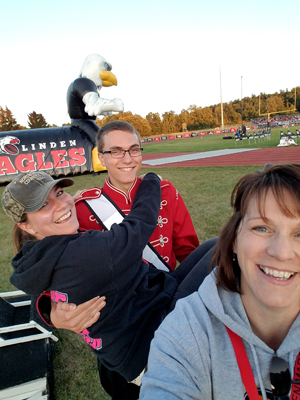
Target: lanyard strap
column 247, row 374
column 295, row 393
column 244, row 365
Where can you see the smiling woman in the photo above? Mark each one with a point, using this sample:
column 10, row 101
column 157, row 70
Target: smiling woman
column 251, row 298
column 268, row 252
column 37, row 203
column 76, row 266
column 57, row 216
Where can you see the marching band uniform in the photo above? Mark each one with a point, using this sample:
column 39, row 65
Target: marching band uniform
column 174, row 237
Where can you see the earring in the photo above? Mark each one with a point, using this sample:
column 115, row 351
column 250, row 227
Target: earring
column 233, row 257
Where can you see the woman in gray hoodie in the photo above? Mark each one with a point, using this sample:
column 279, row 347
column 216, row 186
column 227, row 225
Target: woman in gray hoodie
column 238, row 337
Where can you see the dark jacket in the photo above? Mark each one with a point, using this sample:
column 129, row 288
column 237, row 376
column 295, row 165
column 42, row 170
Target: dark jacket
column 78, row 267
column 75, row 93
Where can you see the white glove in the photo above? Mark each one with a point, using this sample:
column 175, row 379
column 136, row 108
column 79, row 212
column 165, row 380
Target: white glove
column 94, row 105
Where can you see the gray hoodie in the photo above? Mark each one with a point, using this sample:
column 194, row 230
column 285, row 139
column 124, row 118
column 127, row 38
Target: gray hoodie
column 191, row 355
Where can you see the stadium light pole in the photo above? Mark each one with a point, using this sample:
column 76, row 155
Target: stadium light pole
column 222, row 121
column 242, row 97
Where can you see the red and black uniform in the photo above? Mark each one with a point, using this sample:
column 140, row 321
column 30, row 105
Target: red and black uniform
column 174, row 237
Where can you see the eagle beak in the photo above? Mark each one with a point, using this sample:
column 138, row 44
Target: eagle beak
column 108, row 78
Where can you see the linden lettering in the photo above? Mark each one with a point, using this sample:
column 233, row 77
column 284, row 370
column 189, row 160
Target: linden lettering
column 43, row 146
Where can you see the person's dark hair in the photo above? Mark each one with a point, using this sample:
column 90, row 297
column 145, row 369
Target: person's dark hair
column 20, row 237
column 282, row 180
column 114, row 126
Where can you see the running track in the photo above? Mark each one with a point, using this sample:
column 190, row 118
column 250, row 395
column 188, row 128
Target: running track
column 235, row 157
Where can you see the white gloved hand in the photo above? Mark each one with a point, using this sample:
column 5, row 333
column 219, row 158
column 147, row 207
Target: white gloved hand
column 94, row 105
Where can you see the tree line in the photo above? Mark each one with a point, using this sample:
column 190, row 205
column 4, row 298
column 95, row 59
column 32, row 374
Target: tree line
column 9, row 123
column 193, row 118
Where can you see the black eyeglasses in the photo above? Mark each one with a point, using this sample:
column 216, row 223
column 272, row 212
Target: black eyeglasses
column 280, row 377
column 135, row 152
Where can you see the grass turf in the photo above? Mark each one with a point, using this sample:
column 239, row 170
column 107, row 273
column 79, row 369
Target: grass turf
column 212, row 142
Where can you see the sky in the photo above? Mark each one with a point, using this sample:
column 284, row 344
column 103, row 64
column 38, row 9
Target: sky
column 166, row 55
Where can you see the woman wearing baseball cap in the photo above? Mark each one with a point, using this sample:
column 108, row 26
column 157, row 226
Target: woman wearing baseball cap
column 76, row 266
column 27, row 194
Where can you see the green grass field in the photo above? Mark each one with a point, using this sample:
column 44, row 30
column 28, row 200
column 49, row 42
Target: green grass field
column 206, row 192
column 211, row 142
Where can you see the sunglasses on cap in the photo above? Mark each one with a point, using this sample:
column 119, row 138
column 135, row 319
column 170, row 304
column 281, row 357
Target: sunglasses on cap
column 280, row 377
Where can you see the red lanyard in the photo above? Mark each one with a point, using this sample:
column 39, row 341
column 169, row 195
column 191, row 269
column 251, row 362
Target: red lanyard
column 295, row 393
column 246, row 371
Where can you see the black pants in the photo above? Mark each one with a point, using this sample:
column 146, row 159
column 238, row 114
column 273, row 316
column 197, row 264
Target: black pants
column 190, row 274
column 194, row 269
column 116, row 386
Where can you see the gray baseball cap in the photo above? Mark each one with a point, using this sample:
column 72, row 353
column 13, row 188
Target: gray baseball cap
column 27, row 193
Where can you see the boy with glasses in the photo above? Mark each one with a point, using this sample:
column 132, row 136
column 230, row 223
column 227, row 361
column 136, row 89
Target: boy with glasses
column 120, row 151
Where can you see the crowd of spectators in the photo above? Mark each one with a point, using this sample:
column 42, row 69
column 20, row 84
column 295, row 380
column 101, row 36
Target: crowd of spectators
column 276, row 121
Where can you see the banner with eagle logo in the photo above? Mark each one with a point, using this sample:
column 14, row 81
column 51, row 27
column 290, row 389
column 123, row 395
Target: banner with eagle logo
column 58, row 151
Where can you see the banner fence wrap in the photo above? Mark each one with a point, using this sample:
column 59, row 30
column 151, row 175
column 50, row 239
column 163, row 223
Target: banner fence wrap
column 58, row 151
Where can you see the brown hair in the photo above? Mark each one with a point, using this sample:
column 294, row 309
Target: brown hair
column 20, row 237
column 114, row 126
column 282, row 180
